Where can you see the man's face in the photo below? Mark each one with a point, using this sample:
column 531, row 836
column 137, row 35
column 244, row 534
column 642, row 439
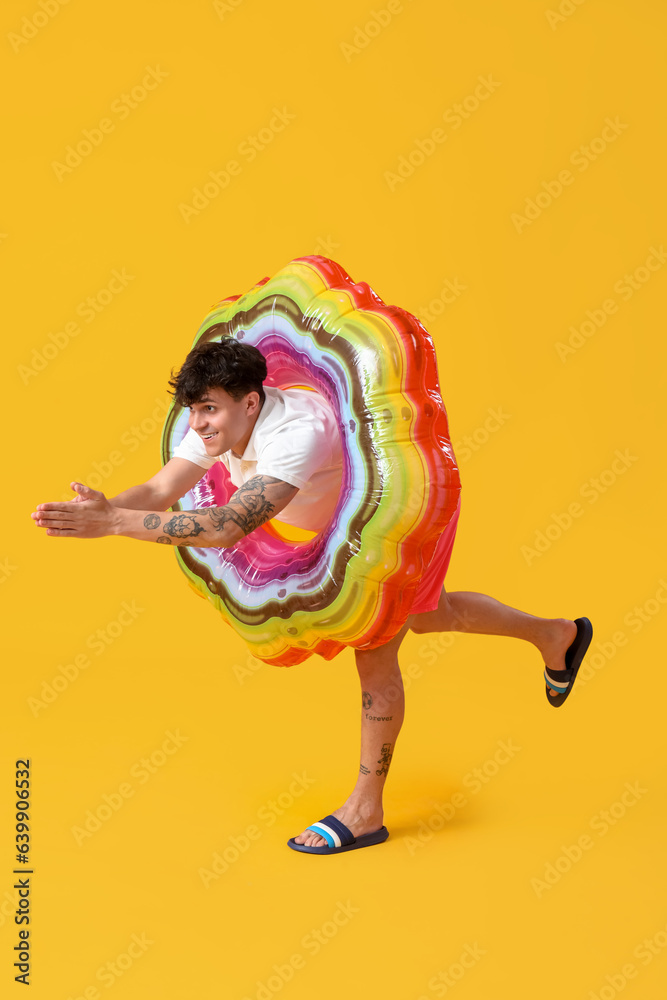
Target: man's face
column 222, row 423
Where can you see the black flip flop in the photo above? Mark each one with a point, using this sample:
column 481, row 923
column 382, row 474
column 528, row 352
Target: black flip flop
column 338, row 838
column 563, row 680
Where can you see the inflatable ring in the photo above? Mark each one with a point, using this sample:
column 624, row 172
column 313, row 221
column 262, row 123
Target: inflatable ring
column 353, row 583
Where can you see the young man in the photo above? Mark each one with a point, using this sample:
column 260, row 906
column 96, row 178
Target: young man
column 282, row 450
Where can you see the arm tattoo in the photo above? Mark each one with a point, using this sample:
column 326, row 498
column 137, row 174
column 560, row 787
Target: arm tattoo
column 183, row 526
column 249, row 507
column 222, row 516
column 366, row 699
column 385, row 758
column 255, row 509
column 363, row 769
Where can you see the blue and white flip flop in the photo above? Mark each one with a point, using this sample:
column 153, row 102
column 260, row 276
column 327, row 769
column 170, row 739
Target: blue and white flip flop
column 563, row 680
column 338, row 838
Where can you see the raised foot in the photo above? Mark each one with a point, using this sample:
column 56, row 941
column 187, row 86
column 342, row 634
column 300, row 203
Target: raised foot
column 562, row 634
column 358, row 818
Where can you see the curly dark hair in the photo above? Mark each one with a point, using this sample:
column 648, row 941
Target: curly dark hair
column 228, row 364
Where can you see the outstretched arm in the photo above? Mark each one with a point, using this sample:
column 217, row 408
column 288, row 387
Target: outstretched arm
column 163, row 489
column 261, row 498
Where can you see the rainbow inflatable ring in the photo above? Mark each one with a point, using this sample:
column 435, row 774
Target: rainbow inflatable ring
column 351, row 584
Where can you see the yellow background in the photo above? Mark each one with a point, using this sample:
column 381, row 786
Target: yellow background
column 360, row 100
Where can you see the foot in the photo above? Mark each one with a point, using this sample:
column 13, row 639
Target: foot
column 560, row 635
column 359, row 817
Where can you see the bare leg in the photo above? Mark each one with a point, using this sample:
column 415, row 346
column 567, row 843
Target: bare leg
column 466, row 611
column 382, row 709
column 382, row 689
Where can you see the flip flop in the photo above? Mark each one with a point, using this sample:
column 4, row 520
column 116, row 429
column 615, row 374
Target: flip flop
column 338, row 838
column 563, row 680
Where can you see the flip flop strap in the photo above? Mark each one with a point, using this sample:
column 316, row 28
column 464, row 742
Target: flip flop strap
column 559, row 680
column 334, row 832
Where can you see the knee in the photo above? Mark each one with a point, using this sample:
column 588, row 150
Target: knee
column 419, row 623
column 440, row 620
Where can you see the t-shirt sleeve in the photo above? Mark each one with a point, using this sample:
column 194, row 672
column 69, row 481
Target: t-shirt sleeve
column 294, row 456
column 193, row 449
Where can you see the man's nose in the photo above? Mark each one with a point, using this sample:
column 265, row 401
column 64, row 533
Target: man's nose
column 197, row 419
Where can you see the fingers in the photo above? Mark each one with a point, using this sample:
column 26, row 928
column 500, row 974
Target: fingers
column 57, row 522
column 86, row 493
column 63, row 505
column 59, row 513
column 54, row 519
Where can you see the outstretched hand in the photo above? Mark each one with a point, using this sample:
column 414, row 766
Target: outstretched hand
column 74, row 519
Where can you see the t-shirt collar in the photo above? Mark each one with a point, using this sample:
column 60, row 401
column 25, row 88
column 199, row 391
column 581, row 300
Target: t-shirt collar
column 250, row 455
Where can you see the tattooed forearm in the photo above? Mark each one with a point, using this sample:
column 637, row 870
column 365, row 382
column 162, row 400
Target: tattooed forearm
column 250, row 503
column 363, row 769
column 385, row 758
column 222, row 516
column 253, row 503
column 366, row 699
column 183, row 526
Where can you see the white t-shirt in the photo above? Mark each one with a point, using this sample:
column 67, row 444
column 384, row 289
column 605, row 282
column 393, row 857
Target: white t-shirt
column 296, row 439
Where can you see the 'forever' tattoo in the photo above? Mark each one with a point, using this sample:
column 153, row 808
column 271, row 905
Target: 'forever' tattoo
column 152, row 521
